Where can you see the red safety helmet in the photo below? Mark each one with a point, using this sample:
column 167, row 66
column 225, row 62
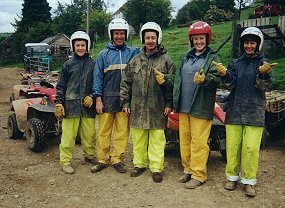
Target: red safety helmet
column 199, row 28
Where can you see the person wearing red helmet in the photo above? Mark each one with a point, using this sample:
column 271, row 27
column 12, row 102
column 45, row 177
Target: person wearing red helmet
column 193, row 98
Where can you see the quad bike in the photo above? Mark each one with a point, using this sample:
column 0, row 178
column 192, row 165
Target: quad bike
column 30, row 85
column 275, row 114
column 217, row 139
column 34, row 117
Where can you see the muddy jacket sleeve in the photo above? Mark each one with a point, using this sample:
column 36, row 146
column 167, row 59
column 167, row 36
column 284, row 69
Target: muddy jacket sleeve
column 61, row 85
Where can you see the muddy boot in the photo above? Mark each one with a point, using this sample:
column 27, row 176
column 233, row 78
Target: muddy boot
column 192, row 184
column 249, row 190
column 98, row 167
column 68, row 169
column 230, row 185
column 120, row 168
column 137, row 171
column 157, row 177
column 185, row 178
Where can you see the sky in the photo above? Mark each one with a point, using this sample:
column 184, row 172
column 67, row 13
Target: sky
column 11, row 9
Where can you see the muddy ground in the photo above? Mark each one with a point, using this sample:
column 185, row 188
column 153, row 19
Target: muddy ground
column 30, row 179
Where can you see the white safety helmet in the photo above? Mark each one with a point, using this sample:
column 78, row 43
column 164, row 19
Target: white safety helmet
column 151, row 26
column 80, row 35
column 254, row 32
column 118, row 24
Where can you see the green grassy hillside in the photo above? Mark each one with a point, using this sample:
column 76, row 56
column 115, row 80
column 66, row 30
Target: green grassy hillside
column 176, row 41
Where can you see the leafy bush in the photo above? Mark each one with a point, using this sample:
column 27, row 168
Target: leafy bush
column 214, row 14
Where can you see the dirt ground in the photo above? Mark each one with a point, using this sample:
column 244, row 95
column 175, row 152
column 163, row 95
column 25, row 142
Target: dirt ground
column 30, row 179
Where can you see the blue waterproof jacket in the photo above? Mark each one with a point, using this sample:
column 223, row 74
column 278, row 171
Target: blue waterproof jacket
column 246, row 103
column 107, row 75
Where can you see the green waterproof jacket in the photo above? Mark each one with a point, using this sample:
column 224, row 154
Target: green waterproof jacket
column 140, row 91
column 205, row 94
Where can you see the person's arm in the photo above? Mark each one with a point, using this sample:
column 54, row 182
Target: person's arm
column 61, row 85
column 97, row 86
column 126, row 89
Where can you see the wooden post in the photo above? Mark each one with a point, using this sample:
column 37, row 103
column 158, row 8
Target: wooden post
column 235, row 44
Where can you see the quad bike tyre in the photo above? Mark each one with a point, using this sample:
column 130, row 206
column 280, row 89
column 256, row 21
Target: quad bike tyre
column 13, row 131
column 35, row 134
column 219, row 136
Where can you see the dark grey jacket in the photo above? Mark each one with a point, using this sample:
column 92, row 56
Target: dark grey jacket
column 246, row 103
column 74, row 84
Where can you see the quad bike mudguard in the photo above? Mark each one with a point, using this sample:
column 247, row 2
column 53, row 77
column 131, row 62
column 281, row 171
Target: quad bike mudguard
column 21, row 109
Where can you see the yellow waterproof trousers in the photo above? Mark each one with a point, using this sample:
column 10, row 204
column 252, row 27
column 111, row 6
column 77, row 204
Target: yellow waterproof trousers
column 243, row 144
column 194, row 149
column 149, row 143
column 70, row 128
column 112, row 150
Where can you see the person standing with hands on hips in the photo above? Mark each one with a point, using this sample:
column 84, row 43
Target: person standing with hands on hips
column 146, row 96
column 74, row 102
column 110, row 63
column 247, row 78
column 194, row 98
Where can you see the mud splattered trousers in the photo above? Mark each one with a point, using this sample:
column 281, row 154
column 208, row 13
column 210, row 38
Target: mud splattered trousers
column 111, row 148
column 243, row 144
column 194, row 149
column 148, row 143
column 70, row 128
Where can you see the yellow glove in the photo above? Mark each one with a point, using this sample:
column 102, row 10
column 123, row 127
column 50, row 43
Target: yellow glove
column 88, row 101
column 266, row 67
column 222, row 70
column 59, row 111
column 199, row 77
column 159, row 77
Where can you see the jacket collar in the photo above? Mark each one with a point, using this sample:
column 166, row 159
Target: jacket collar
column 113, row 47
column 192, row 52
column 156, row 52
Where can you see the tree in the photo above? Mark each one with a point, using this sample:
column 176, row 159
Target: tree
column 194, row 10
column 138, row 12
column 99, row 21
column 215, row 14
column 241, row 4
column 32, row 13
column 227, row 5
column 68, row 18
column 72, row 17
column 39, row 32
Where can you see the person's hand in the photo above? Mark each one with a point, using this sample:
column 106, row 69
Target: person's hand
column 222, row 70
column 199, row 77
column 159, row 77
column 88, row 101
column 59, row 111
column 99, row 105
column 266, row 67
column 167, row 111
column 127, row 111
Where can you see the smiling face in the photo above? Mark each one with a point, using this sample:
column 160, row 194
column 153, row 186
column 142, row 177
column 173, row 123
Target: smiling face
column 119, row 37
column 249, row 47
column 199, row 42
column 80, row 47
column 150, row 41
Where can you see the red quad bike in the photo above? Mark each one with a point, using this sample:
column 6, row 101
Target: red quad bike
column 34, row 116
column 217, row 140
column 30, row 84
